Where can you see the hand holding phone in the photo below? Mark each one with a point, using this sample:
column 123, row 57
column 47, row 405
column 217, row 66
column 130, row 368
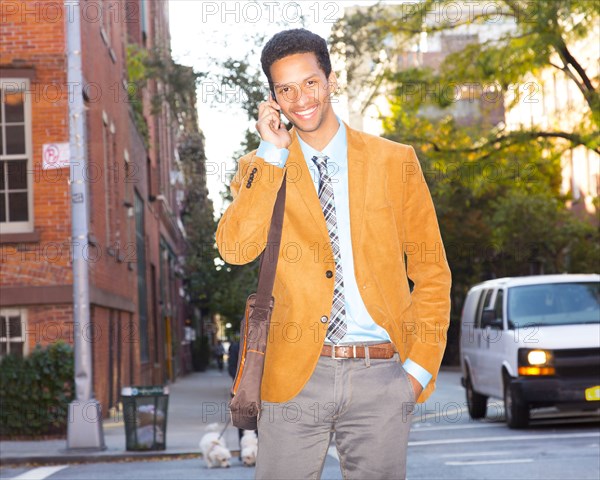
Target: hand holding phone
column 269, row 124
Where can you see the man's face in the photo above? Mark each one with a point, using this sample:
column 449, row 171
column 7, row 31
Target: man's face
column 302, row 91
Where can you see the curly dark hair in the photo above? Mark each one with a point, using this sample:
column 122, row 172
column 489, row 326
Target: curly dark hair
column 290, row 42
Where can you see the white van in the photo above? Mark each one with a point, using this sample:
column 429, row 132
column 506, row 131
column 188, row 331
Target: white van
column 533, row 342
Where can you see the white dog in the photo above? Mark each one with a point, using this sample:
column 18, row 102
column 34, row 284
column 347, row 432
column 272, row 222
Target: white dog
column 249, row 447
column 214, row 451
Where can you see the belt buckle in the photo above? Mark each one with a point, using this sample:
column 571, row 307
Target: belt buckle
column 333, row 352
column 333, row 347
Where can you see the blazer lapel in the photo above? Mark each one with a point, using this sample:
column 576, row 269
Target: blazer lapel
column 357, row 181
column 299, row 176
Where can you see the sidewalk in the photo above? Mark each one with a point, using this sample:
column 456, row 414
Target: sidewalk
column 195, row 401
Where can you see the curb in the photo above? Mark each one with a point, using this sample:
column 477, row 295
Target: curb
column 117, row 457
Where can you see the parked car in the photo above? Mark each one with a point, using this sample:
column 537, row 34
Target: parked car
column 533, row 342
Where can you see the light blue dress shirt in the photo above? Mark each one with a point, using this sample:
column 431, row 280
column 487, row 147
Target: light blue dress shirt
column 361, row 327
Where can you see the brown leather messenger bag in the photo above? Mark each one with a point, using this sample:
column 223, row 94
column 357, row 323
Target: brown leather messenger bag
column 245, row 404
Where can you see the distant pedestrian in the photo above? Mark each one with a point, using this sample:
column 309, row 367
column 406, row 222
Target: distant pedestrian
column 218, row 352
column 232, row 357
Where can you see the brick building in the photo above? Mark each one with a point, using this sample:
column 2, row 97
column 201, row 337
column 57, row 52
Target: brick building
column 136, row 238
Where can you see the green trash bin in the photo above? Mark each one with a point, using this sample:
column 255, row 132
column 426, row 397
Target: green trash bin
column 145, row 417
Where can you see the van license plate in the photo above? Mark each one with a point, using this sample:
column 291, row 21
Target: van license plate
column 592, row 393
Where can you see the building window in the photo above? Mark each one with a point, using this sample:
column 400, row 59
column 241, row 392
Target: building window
column 16, row 200
column 108, row 9
column 12, row 333
column 140, row 246
column 109, row 146
column 143, row 20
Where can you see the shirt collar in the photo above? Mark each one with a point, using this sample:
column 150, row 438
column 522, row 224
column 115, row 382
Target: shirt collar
column 336, row 145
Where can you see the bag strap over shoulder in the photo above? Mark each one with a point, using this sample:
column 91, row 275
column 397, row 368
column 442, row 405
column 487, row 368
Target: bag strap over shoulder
column 270, row 255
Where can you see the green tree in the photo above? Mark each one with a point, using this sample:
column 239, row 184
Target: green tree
column 543, row 37
column 497, row 191
column 537, row 229
column 197, row 216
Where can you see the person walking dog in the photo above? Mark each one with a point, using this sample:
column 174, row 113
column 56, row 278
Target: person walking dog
column 352, row 347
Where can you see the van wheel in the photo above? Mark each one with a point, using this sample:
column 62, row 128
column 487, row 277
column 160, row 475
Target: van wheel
column 476, row 403
column 516, row 410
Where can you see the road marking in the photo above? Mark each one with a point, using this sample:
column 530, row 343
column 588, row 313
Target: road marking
column 475, row 454
column 332, row 452
column 490, row 462
column 539, row 421
column 40, row 473
column 501, row 439
column 457, row 427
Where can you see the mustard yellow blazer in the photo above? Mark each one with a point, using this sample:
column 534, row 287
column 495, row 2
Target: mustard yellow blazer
column 394, row 232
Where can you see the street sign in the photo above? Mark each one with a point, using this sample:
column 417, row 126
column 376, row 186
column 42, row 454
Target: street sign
column 55, row 155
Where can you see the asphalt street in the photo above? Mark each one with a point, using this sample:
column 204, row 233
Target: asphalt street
column 444, row 444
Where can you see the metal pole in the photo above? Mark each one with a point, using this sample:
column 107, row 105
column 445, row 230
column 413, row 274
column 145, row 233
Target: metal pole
column 85, row 415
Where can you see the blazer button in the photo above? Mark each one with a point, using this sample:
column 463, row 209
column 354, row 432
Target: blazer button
column 329, row 274
column 254, row 170
column 249, row 184
column 324, row 319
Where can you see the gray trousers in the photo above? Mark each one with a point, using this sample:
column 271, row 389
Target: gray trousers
column 369, row 405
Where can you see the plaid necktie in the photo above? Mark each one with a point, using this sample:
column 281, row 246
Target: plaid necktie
column 337, row 325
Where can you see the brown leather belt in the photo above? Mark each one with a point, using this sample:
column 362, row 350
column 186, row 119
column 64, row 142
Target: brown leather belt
column 377, row 351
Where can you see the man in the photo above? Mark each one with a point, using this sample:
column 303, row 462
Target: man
column 350, row 348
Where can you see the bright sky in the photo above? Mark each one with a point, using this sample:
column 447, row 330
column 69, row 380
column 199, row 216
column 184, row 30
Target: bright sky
column 203, row 30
